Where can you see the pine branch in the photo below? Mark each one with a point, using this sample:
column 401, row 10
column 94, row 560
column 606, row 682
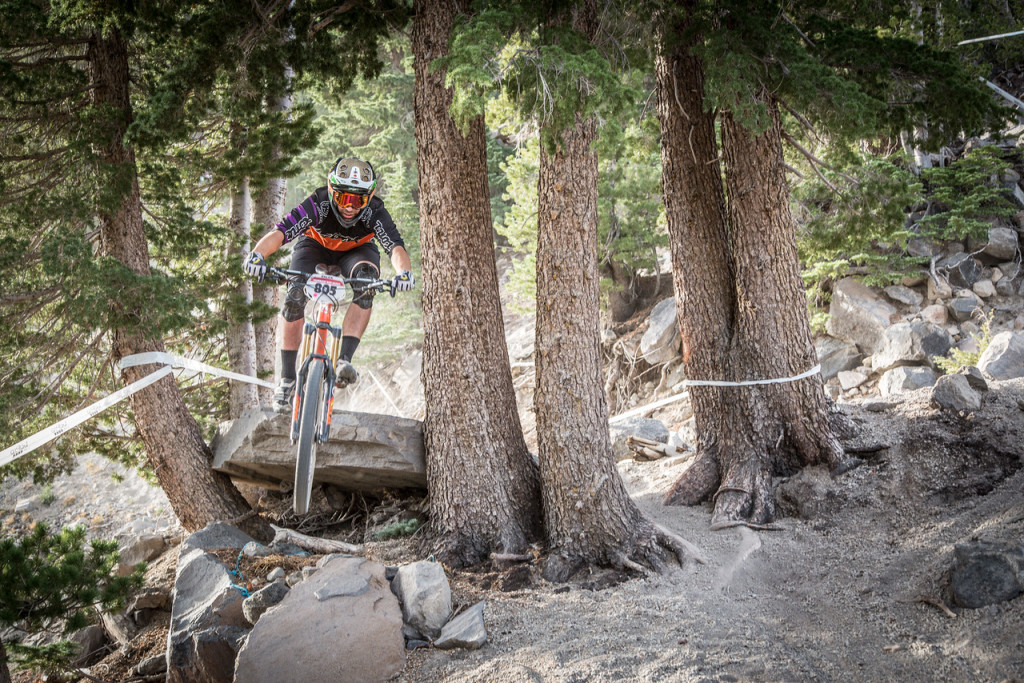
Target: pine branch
column 27, row 296
column 816, row 162
column 328, row 19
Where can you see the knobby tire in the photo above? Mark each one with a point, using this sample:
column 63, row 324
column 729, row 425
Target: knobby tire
column 306, row 458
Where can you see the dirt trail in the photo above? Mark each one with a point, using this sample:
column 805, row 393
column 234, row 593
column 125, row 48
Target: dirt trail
column 830, row 598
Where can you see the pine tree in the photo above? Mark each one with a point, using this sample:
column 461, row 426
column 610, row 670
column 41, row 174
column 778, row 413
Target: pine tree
column 484, row 489
column 733, row 242
column 53, row 581
column 83, row 145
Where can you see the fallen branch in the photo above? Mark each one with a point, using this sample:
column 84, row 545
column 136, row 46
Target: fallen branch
column 318, row 546
column 510, row 557
column 935, row 602
column 645, row 450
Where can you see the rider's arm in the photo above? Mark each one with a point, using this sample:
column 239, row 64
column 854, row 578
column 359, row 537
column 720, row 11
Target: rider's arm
column 269, row 243
column 400, row 259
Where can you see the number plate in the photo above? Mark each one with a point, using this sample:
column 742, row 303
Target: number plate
column 325, row 285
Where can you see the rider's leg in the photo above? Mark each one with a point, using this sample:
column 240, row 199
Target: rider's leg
column 305, row 257
column 357, row 317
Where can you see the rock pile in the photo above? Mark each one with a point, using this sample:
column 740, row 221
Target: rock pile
column 345, row 618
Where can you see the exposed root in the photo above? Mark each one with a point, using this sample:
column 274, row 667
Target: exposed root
column 697, row 483
column 622, row 560
column 683, row 549
column 748, row 508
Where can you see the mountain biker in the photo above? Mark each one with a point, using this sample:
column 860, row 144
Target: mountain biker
column 336, row 225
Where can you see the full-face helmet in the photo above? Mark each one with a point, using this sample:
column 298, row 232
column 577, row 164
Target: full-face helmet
column 351, row 184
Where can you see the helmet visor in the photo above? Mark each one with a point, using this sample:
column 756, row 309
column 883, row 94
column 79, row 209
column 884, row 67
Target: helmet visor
column 349, row 200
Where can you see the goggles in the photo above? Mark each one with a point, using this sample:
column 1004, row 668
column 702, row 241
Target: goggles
column 348, row 200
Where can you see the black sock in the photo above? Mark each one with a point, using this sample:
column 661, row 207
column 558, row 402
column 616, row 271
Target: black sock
column 288, row 364
column 348, row 347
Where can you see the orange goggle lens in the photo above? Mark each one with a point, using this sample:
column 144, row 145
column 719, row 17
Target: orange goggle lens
column 347, row 200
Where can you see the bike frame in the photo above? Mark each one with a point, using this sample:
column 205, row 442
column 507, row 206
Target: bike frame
column 315, row 337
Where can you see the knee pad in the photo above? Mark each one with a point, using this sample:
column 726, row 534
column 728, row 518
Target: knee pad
column 294, row 303
column 365, row 298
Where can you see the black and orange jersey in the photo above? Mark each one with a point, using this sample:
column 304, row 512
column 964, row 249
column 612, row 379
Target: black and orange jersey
column 314, row 218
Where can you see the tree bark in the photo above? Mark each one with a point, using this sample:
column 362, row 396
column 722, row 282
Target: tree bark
column 241, row 339
column 5, row 671
column 483, row 483
column 736, row 275
column 267, row 211
column 589, row 518
column 174, row 446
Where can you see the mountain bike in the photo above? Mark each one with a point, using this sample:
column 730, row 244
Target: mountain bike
column 328, row 295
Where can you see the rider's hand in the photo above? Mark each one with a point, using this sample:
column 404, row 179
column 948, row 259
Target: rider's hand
column 255, row 265
column 403, row 282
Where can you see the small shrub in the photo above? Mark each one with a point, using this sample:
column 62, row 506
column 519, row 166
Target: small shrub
column 55, row 582
column 47, row 496
column 398, row 530
column 969, row 192
column 957, row 358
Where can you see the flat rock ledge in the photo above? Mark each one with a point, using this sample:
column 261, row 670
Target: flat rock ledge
column 365, row 452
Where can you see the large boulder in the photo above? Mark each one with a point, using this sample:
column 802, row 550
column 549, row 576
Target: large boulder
column 207, row 623
column 986, row 573
column 858, row 315
column 1001, row 246
column 426, row 597
column 913, row 343
column 661, row 342
column 836, row 356
column 365, row 451
column 1004, row 357
column 903, row 379
column 963, row 270
column 954, row 393
column 341, row 624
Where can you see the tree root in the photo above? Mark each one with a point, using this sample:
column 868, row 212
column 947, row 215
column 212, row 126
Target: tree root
column 683, row 549
column 697, row 483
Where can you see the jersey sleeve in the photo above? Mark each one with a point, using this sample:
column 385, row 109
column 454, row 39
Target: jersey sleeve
column 385, row 230
column 300, row 219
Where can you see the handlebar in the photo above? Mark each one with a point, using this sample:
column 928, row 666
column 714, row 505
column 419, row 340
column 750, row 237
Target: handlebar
column 284, row 275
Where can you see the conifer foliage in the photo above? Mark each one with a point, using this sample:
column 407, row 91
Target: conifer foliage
column 56, row 582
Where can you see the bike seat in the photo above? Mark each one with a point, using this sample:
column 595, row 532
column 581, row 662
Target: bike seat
column 328, row 270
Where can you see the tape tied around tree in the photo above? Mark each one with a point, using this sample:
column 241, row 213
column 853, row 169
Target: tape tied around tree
column 710, row 383
column 168, row 360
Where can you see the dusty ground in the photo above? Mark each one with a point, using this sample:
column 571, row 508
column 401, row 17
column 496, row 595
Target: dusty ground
column 833, row 594
column 835, row 597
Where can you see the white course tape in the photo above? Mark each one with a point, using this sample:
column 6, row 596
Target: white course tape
column 188, row 364
column 40, row 438
column 170, row 361
column 710, row 383
column 781, row 380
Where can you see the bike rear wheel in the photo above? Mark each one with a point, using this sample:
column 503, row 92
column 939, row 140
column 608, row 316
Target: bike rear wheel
column 305, row 461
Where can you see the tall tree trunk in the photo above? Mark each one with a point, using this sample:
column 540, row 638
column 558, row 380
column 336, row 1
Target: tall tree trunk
column 589, row 517
column 744, row 309
column 174, row 445
column 267, row 211
column 484, row 487
column 5, row 672
column 240, row 337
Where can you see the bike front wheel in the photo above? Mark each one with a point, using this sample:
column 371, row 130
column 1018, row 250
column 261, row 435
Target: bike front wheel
column 305, row 461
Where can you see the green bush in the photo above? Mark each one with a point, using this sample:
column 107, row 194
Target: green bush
column 968, row 193
column 957, row 359
column 56, row 582
column 859, row 222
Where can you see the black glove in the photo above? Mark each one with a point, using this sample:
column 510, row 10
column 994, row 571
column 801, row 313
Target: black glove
column 255, row 265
